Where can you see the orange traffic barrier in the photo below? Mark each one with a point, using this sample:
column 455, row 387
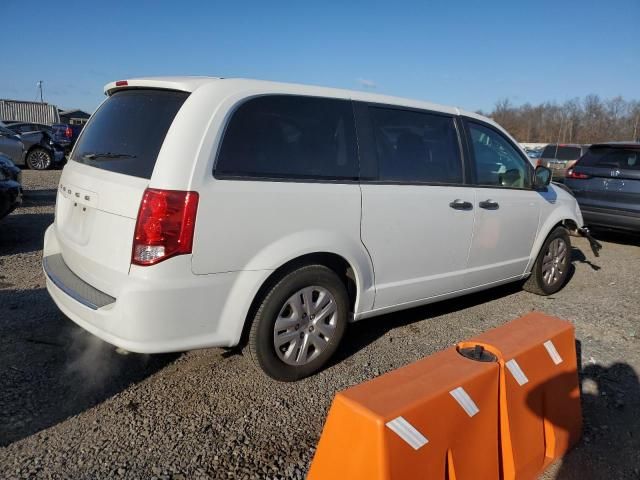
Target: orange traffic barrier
column 506, row 416
column 434, row 419
column 540, row 413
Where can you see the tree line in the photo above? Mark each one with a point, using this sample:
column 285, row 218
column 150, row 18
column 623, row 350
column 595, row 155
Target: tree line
column 587, row 120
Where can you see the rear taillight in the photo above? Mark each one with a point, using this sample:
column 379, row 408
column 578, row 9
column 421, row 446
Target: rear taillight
column 68, row 132
column 165, row 225
column 571, row 173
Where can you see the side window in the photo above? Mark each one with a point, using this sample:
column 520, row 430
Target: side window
column 497, row 162
column 286, row 136
column 416, row 147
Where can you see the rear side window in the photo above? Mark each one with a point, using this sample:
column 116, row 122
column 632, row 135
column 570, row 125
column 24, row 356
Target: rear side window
column 126, row 132
column 561, row 152
column 287, row 136
column 415, row 146
column 607, row 157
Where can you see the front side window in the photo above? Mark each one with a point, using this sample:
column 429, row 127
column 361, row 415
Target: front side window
column 416, row 147
column 497, row 162
column 287, row 136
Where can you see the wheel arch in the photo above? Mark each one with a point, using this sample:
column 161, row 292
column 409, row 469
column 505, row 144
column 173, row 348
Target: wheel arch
column 563, row 217
column 348, row 270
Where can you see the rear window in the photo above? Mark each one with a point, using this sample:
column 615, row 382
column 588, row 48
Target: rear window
column 607, row 157
column 561, row 153
column 126, row 132
column 288, row 136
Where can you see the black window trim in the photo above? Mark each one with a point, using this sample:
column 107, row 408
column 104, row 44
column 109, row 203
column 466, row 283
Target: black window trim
column 282, row 178
column 370, row 164
column 472, row 163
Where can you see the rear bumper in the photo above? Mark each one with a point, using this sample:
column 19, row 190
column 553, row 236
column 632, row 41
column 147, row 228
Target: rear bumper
column 616, row 219
column 61, row 275
column 174, row 312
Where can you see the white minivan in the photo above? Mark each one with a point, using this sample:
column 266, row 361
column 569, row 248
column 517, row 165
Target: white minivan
column 198, row 212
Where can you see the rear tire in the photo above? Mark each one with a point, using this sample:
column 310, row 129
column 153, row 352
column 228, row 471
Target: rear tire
column 551, row 269
column 38, row 159
column 299, row 323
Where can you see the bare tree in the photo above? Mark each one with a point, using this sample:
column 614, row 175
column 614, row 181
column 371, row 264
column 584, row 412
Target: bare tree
column 577, row 120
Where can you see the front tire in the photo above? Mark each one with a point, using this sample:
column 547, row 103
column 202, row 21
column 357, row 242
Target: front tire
column 551, row 269
column 39, row 159
column 299, row 323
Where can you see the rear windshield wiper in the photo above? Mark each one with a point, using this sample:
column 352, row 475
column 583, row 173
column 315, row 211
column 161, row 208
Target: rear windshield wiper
column 94, row 155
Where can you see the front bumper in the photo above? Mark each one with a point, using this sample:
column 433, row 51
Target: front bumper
column 10, row 196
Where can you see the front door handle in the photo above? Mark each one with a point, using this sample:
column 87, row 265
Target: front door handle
column 489, row 205
column 458, row 204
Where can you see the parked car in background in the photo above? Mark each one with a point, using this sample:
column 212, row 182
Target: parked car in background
column 11, row 145
column 531, row 153
column 10, row 186
column 27, row 127
column 62, row 134
column 284, row 201
column 41, row 150
column 606, row 183
column 66, row 135
column 561, row 157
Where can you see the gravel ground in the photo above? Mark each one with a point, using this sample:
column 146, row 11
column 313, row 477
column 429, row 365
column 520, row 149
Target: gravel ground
column 72, row 407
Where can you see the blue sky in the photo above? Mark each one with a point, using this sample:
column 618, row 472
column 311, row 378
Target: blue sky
column 463, row 53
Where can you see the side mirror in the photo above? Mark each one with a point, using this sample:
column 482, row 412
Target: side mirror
column 541, row 177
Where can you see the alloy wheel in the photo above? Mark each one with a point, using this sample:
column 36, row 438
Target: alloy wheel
column 39, row 159
column 305, row 325
column 554, row 262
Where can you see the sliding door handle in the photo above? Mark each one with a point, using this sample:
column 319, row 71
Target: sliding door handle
column 489, row 205
column 458, row 204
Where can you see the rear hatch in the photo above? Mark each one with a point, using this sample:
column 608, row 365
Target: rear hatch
column 608, row 177
column 61, row 133
column 101, row 187
column 557, row 157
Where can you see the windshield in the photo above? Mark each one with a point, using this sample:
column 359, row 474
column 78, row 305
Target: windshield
column 127, row 131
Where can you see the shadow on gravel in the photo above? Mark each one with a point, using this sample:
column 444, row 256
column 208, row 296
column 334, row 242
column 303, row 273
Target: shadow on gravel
column 614, row 236
column 51, row 370
column 23, row 232
column 610, row 441
column 40, row 198
column 578, row 256
column 361, row 334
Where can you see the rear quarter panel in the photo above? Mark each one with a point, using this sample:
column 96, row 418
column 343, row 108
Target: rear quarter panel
column 248, row 225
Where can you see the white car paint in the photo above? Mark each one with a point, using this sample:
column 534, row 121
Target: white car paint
column 404, row 244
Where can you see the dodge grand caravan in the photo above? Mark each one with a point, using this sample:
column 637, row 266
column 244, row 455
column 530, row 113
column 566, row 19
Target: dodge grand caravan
column 199, row 212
